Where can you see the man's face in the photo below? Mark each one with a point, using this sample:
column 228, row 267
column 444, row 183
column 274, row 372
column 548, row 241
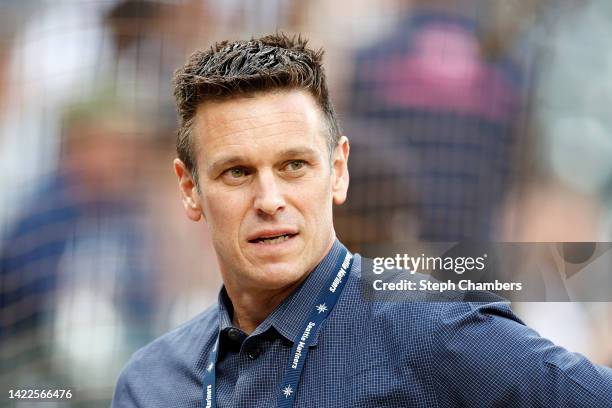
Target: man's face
column 267, row 185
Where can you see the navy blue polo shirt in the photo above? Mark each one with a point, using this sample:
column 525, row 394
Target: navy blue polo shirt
column 367, row 354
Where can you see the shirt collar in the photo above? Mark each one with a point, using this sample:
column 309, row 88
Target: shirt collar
column 289, row 317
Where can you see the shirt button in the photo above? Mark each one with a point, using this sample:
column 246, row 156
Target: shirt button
column 233, row 334
column 253, row 353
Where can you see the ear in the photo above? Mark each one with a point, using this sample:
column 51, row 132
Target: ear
column 340, row 174
column 189, row 191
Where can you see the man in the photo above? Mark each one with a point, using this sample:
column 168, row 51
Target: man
column 261, row 160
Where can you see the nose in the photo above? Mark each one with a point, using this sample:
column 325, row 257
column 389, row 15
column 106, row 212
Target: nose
column 268, row 199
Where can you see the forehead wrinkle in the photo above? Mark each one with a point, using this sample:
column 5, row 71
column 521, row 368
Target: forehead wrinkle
column 252, row 136
column 260, row 126
column 228, row 121
column 253, row 142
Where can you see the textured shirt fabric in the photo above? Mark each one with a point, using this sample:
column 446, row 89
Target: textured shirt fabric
column 367, row 354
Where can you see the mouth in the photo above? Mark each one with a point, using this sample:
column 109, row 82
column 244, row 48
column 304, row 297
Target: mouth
column 272, row 239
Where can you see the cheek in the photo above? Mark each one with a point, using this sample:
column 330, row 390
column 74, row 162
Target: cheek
column 315, row 203
column 224, row 211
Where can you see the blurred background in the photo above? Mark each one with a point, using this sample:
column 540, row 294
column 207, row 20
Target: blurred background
column 469, row 120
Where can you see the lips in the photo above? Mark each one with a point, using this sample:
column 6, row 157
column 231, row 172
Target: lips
column 272, row 237
column 275, row 240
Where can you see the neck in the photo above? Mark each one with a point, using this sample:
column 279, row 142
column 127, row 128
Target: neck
column 252, row 305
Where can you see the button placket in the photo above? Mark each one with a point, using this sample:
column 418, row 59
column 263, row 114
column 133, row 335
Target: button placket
column 253, row 352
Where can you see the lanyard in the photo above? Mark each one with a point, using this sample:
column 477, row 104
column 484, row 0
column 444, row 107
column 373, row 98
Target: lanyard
column 326, row 300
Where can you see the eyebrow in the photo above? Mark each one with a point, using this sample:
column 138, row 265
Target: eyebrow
column 232, row 160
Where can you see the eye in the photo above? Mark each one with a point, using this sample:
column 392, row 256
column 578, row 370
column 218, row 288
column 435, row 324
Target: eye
column 236, row 172
column 236, row 175
column 295, row 165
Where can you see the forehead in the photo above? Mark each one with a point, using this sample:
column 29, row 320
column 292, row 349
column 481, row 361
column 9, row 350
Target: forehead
column 265, row 120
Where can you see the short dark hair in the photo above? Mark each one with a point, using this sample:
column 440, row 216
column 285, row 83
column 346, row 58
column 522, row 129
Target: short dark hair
column 241, row 68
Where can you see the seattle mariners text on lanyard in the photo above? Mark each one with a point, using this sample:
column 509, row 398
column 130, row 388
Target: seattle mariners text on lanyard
column 326, row 300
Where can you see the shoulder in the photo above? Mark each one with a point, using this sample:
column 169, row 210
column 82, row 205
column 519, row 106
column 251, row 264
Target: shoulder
column 426, row 339
column 432, row 321
column 428, row 310
column 168, row 360
column 438, row 321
